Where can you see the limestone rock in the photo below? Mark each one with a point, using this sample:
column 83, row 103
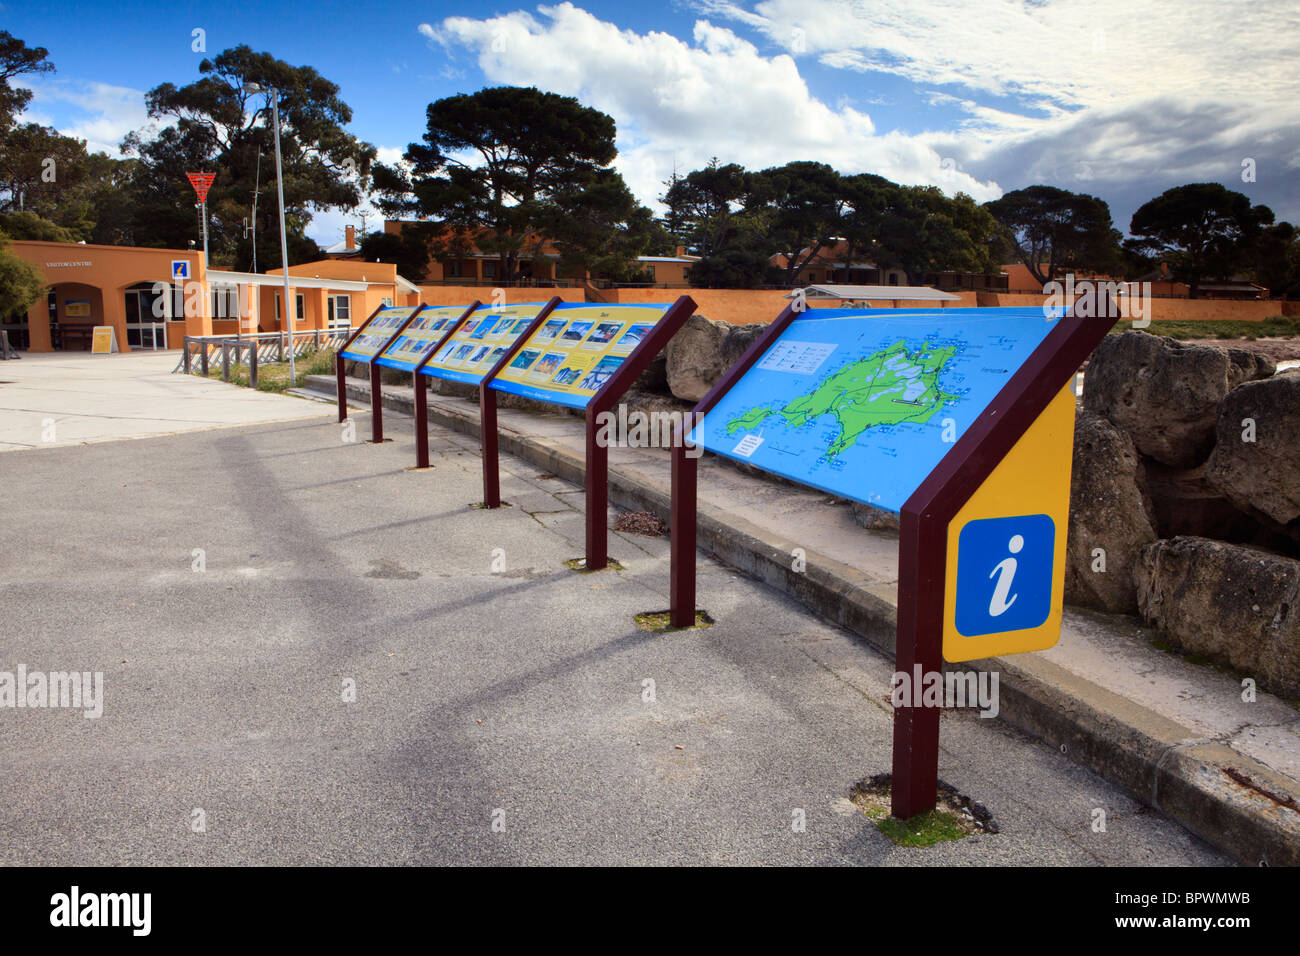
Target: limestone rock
column 1107, row 512
column 1184, row 502
column 1231, row 604
column 1261, row 476
column 875, row 519
column 1165, row 393
column 702, row 350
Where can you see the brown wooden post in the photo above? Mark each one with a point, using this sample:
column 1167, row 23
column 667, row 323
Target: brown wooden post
column 341, row 385
column 376, row 406
column 682, row 533
column 421, row 423
column 252, row 363
column 597, row 495
column 491, row 458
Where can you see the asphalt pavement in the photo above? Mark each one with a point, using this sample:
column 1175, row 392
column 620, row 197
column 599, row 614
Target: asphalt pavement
column 237, row 587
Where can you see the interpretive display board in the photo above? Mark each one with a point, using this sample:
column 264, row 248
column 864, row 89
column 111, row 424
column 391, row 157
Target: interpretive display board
column 418, row 339
column 864, row 403
column 375, row 333
column 961, row 421
column 481, row 342
column 571, row 356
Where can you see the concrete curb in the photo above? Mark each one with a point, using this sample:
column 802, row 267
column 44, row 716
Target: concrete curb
column 1160, row 762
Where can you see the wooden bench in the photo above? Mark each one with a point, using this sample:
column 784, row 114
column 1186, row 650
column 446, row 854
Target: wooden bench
column 81, row 332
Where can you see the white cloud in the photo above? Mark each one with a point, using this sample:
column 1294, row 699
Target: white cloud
column 1122, row 98
column 99, row 113
column 1076, row 53
column 679, row 102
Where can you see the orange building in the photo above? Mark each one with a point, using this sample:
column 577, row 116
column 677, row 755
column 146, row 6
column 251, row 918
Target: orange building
column 153, row 298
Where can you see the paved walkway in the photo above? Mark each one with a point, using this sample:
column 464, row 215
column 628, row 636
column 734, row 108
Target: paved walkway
column 70, row 398
column 491, row 683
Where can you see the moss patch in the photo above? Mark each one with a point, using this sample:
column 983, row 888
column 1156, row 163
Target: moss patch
column 954, row 817
column 580, row 565
column 658, row 622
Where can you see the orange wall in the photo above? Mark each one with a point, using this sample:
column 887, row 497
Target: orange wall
column 74, row 270
column 465, row 294
column 1169, row 310
column 742, row 306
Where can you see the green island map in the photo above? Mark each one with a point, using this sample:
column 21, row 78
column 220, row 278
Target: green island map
column 891, row 386
column 864, row 403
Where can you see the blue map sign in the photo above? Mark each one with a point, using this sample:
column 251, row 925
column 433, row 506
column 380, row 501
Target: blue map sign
column 863, row 403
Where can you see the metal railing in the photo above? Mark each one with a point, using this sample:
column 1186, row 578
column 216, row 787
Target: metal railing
column 200, row 352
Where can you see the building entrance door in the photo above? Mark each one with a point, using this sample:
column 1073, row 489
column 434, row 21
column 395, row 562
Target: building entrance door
column 144, row 328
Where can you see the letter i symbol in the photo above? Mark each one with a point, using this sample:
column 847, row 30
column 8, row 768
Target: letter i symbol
column 1005, row 573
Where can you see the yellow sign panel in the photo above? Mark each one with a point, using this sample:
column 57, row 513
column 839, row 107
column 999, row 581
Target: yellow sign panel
column 482, row 341
column 576, row 350
column 103, row 341
column 375, row 334
column 1005, row 582
column 76, row 309
column 418, row 339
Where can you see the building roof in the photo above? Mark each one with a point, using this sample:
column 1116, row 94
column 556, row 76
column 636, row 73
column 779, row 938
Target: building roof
column 886, row 293
column 277, row 280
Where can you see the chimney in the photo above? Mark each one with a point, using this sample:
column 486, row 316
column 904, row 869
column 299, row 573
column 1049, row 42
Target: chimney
column 350, row 238
column 681, row 251
column 1164, row 270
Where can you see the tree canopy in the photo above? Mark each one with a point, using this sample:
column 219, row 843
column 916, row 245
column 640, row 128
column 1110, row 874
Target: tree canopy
column 1204, row 229
column 221, row 127
column 1052, row 231
column 496, row 165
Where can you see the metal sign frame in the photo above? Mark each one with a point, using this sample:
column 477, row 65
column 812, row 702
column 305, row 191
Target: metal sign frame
column 597, row 455
column 422, row 391
column 376, row 389
column 924, row 521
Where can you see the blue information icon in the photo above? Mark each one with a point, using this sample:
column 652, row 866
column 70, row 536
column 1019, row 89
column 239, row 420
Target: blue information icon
column 1004, row 574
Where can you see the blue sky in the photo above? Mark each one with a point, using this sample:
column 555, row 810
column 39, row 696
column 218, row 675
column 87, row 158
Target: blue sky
column 1120, row 98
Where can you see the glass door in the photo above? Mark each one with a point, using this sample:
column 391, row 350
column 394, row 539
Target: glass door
column 144, row 328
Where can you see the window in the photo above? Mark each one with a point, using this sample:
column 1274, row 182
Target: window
column 302, row 308
column 452, row 269
column 225, row 302
column 489, row 270
column 340, row 311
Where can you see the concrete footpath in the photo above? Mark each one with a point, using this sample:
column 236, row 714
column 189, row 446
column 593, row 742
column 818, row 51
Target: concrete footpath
column 1175, row 736
column 71, row 398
